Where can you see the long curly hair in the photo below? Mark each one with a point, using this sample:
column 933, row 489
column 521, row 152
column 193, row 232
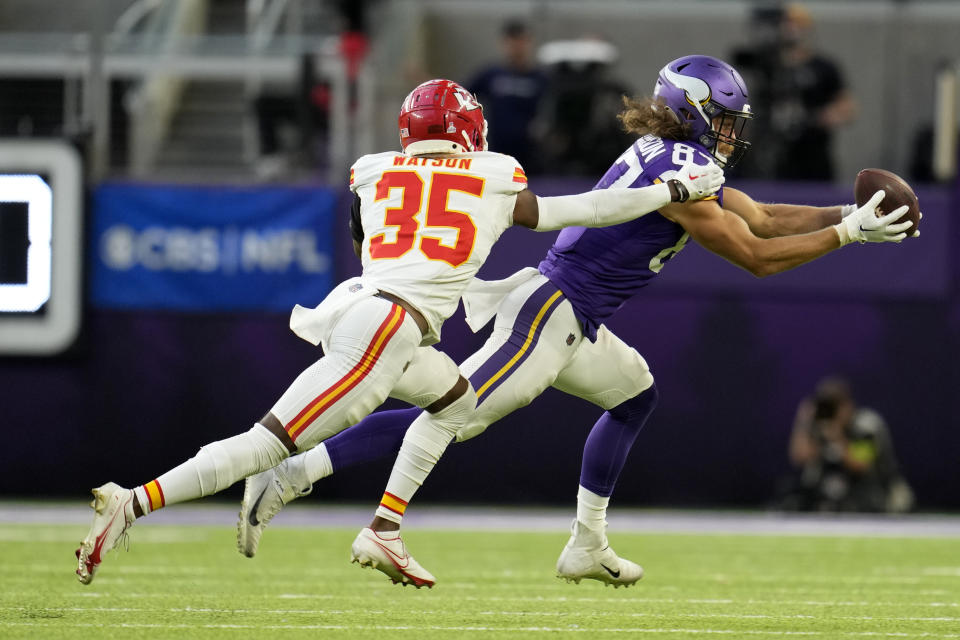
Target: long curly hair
column 642, row 116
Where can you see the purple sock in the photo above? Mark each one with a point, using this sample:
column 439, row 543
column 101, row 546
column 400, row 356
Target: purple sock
column 377, row 436
column 609, row 442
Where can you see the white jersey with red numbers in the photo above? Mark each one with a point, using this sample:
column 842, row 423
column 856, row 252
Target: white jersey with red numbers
column 429, row 223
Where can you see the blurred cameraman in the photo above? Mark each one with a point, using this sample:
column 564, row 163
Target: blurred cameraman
column 844, row 456
column 799, row 97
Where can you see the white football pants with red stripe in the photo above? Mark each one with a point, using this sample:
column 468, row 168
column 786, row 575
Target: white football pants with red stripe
column 372, row 352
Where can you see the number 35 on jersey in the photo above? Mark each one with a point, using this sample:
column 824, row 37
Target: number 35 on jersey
column 447, row 211
column 429, row 203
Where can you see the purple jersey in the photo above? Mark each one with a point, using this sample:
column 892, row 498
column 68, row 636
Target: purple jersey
column 598, row 269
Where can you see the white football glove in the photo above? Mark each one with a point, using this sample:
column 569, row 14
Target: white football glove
column 847, row 209
column 863, row 225
column 700, row 180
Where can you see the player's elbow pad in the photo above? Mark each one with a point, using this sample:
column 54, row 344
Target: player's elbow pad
column 600, row 208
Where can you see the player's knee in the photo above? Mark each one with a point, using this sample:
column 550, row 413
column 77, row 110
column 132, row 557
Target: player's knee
column 457, row 413
column 274, row 426
column 637, row 409
column 463, row 406
column 455, row 393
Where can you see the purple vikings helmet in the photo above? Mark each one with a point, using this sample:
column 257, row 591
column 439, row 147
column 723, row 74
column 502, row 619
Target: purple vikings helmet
column 710, row 97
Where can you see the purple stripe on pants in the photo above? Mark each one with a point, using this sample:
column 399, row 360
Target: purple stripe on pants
column 518, row 336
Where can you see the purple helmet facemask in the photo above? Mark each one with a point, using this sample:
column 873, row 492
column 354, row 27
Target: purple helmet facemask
column 710, row 97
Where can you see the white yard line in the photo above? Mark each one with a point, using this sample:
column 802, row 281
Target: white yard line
column 951, row 607
column 445, row 611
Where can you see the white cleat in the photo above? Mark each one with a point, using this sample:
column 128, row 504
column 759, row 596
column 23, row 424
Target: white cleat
column 587, row 555
column 113, row 507
column 385, row 551
column 264, row 494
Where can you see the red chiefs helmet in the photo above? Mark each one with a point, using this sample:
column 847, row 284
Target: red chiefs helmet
column 440, row 116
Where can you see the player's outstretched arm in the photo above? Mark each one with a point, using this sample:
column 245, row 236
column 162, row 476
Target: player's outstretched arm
column 725, row 233
column 773, row 220
column 606, row 207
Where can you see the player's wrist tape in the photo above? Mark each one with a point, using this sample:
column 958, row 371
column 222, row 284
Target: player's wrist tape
column 601, row 207
column 678, row 191
column 843, row 232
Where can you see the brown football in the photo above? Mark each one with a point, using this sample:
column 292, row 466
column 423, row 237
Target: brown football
column 899, row 193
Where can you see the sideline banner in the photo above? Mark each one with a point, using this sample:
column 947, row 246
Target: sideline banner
column 211, row 248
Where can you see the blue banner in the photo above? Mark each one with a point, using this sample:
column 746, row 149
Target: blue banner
column 211, row 248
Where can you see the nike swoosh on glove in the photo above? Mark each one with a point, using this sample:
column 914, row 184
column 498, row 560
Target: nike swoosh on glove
column 863, row 225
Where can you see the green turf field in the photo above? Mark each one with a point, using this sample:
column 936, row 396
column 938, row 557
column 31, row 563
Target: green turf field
column 188, row 582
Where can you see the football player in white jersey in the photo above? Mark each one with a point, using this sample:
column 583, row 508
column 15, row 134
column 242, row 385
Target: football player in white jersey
column 430, row 216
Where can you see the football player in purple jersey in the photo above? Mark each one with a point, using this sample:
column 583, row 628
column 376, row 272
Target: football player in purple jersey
column 549, row 328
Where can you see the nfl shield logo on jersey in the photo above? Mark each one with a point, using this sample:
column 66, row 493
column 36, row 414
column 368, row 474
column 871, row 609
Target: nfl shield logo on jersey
column 355, row 287
column 570, row 339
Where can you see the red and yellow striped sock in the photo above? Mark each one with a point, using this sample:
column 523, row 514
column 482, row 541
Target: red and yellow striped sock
column 391, row 507
column 150, row 496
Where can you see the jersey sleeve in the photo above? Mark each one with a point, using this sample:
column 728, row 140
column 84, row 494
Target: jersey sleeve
column 366, row 169
column 503, row 173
